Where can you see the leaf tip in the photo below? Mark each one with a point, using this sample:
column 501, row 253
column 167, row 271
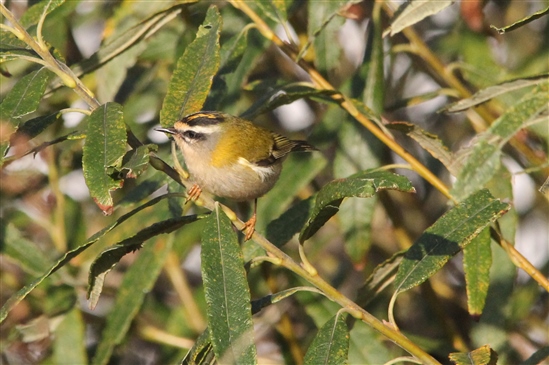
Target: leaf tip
column 107, row 209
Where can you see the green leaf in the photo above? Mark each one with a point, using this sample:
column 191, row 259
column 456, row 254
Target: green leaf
column 493, row 91
column 323, row 29
column 105, row 145
column 430, row 142
column 133, row 36
column 274, row 9
column 69, row 340
column 537, row 357
column 446, row 237
column 367, row 347
column 232, row 51
column 374, row 92
column 192, row 78
column 136, row 161
column 286, row 95
column 481, row 356
column 282, row 229
column 477, row 261
column 202, row 351
column 361, row 185
column 227, row 292
column 25, row 96
column 28, row 256
column 412, row 12
column 482, row 160
column 138, row 281
column 107, row 259
column 11, row 47
column 35, row 126
column 383, row 275
column 42, row 8
column 23, row 292
column 522, row 22
column 331, row 344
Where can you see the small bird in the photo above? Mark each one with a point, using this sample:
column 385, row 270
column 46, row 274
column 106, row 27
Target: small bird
column 231, row 157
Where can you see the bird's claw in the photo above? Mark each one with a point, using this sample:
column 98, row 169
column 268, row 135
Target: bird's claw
column 193, row 193
column 249, row 228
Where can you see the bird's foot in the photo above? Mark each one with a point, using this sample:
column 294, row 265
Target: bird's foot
column 249, row 228
column 193, row 193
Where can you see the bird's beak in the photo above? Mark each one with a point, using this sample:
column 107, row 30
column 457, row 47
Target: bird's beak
column 166, row 130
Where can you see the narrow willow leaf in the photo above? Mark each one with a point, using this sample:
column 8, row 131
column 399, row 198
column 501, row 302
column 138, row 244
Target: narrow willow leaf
column 522, row 22
column 227, row 292
column 274, row 9
column 232, row 56
column 411, row 12
column 232, row 51
column 11, row 47
column 68, row 137
column 128, row 39
column 482, row 159
column 23, row 292
column 42, row 8
column 493, row 91
column 136, row 161
column 27, row 255
column 374, row 92
column 69, row 340
column 537, row 357
column 323, row 29
column 430, row 142
column 482, row 356
column 477, row 261
column 285, row 95
column 202, row 351
column 25, row 96
column 367, row 347
column 111, row 76
column 33, row 127
column 107, row 259
column 138, row 281
column 105, row 145
column 361, row 185
column 446, row 237
column 192, row 78
column 383, row 275
column 331, row 344
column 282, row 229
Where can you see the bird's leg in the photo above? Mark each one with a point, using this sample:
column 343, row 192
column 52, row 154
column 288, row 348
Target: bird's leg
column 193, row 193
column 249, row 226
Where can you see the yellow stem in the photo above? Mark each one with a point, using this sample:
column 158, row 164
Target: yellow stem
column 179, row 281
column 345, row 103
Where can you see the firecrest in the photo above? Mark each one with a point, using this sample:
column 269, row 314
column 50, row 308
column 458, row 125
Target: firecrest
column 231, row 157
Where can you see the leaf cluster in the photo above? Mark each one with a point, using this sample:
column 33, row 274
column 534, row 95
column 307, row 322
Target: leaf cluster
column 362, row 242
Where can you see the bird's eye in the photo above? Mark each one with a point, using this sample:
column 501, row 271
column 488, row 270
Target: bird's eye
column 192, row 135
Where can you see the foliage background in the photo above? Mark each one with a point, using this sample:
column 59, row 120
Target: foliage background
column 47, row 210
